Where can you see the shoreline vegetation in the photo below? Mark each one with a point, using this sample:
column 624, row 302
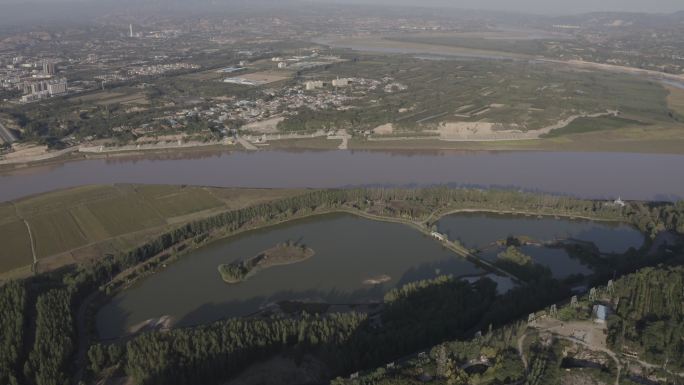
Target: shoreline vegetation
column 513, row 255
column 456, row 307
column 282, row 254
column 418, row 208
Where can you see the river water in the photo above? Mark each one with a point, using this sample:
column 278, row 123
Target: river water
column 588, row 175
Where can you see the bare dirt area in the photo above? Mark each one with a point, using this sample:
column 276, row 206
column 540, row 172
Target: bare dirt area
column 265, row 77
column 205, row 75
column 110, row 97
column 268, row 126
column 384, row 129
column 591, row 333
column 488, row 131
column 26, row 151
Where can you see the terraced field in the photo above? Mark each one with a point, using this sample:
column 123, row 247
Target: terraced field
column 83, row 222
column 508, row 94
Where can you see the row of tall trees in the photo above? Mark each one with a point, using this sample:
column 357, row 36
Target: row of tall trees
column 49, row 360
column 13, row 315
column 212, row 353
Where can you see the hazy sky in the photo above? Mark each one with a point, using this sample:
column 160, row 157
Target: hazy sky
column 544, row 6
column 520, row 6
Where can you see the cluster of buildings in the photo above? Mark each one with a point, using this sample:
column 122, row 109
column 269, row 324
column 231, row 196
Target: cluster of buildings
column 336, row 94
column 157, row 69
column 283, row 102
column 43, row 89
column 33, row 79
column 302, row 62
column 316, row 84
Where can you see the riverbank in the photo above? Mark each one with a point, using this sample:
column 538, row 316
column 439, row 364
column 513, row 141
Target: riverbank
column 636, row 140
column 73, row 154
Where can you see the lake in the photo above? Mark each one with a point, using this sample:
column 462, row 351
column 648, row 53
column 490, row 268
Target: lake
column 587, row 175
column 349, row 250
column 481, row 230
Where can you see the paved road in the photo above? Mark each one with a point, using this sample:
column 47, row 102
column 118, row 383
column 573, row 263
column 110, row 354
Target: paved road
column 455, row 247
column 246, row 144
column 6, row 135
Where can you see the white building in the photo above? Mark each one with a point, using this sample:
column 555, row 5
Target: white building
column 58, row 87
column 341, row 82
column 312, row 85
column 438, row 236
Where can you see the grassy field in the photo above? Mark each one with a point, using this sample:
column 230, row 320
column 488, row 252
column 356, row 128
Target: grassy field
column 517, row 95
column 85, row 222
column 583, row 125
column 122, row 95
column 675, row 100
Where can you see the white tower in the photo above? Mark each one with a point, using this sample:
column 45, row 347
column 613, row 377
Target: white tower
column 130, row 30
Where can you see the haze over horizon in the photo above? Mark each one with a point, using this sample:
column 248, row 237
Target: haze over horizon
column 539, row 6
column 553, row 7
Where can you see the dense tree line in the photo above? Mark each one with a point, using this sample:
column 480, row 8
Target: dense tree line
column 416, row 316
column 13, row 314
column 649, row 317
column 210, row 353
column 442, row 362
column 49, row 360
column 648, row 321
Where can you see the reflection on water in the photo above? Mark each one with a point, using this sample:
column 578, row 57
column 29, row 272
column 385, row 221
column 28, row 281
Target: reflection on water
column 589, row 175
column 349, row 250
column 482, row 230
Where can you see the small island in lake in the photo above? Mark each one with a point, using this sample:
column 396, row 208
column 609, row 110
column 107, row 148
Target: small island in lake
column 281, row 254
column 513, row 255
